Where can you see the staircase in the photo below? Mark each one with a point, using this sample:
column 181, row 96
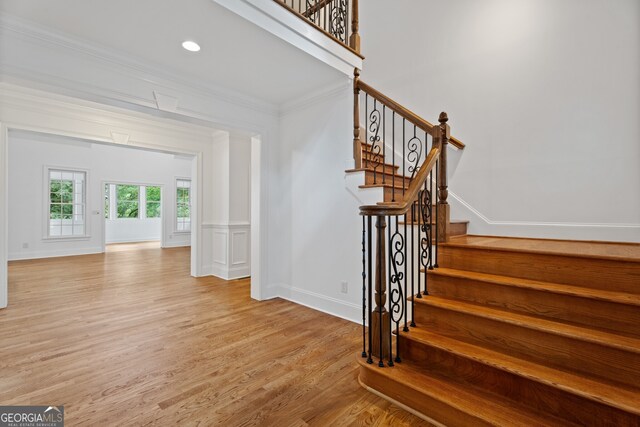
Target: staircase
column 523, row 332
column 467, row 330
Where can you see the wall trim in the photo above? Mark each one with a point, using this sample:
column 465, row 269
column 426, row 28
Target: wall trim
column 230, row 273
column 329, row 305
column 176, row 245
column 481, row 224
column 19, row 256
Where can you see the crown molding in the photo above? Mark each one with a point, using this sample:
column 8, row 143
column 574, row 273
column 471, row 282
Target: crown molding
column 56, row 105
column 147, row 71
column 315, row 97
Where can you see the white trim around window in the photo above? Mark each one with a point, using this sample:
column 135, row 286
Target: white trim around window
column 182, row 225
column 68, row 204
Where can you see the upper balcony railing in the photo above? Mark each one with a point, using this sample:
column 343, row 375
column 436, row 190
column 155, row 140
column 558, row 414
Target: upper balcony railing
column 336, row 18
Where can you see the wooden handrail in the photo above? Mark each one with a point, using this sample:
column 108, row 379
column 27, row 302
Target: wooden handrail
column 404, row 112
column 411, row 195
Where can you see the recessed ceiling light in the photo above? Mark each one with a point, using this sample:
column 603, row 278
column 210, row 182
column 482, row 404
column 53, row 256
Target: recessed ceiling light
column 191, row 46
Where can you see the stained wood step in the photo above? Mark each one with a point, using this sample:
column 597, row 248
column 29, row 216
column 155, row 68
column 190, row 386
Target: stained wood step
column 391, row 192
column 590, row 352
column 618, row 312
column 378, row 162
column 572, row 397
column 599, row 265
column 457, row 227
column 447, row 401
column 377, row 176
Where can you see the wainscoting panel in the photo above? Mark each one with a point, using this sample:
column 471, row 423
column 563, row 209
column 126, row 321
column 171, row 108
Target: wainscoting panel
column 231, row 255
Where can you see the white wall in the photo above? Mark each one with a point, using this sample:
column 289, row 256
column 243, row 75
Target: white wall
column 135, row 230
column 231, row 225
column 546, row 95
column 315, row 229
column 30, row 153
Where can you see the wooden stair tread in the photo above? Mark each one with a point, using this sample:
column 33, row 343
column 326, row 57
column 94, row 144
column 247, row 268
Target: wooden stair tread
column 609, row 339
column 587, row 249
column 603, row 295
column 615, row 396
column 452, row 221
column 388, row 175
column 398, row 186
column 490, row 408
column 365, row 169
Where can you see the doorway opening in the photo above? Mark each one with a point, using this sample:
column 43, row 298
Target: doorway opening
column 86, row 197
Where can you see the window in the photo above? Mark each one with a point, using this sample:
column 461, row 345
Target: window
column 106, row 201
column 183, row 205
column 128, row 201
column 153, row 202
column 66, row 203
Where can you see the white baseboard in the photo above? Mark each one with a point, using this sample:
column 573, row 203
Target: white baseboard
column 271, row 291
column 231, row 273
column 323, row 303
column 480, row 224
column 17, row 256
column 176, row 245
column 116, row 241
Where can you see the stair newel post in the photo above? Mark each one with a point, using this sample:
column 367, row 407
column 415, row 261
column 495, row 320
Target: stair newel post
column 381, row 322
column 357, row 147
column 444, row 213
column 354, row 39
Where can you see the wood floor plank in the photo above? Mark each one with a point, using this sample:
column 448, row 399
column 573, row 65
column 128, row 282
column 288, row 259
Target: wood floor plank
column 129, row 338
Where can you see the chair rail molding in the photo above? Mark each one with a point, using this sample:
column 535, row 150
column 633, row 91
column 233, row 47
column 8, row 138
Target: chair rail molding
column 275, row 19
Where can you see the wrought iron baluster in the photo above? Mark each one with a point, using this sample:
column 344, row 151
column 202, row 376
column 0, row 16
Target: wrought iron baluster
column 419, row 225
column 364, row 290
column 414, row 145
column 366, row 126
column 375, row 118
column 347, row 21
column 397, row 262
column 437, row 207
column 393, row 157
column 403, row 171
column 384, row 135
column 425, row 242
column 370, row 289
column 413, row 257
column 390, row 289
column 406, row 327
column 431, row 213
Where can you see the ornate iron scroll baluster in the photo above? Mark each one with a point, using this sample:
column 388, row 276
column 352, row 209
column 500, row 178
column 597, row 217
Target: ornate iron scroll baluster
column 375, row 154
column 414, row 145
column 338, row 20
column 397, row 261
column 427, row 239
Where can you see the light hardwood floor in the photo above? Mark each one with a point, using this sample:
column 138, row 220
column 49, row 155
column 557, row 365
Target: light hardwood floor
column 129, row 338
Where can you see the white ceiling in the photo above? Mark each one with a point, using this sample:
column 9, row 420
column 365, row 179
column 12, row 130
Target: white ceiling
column 235, row 53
